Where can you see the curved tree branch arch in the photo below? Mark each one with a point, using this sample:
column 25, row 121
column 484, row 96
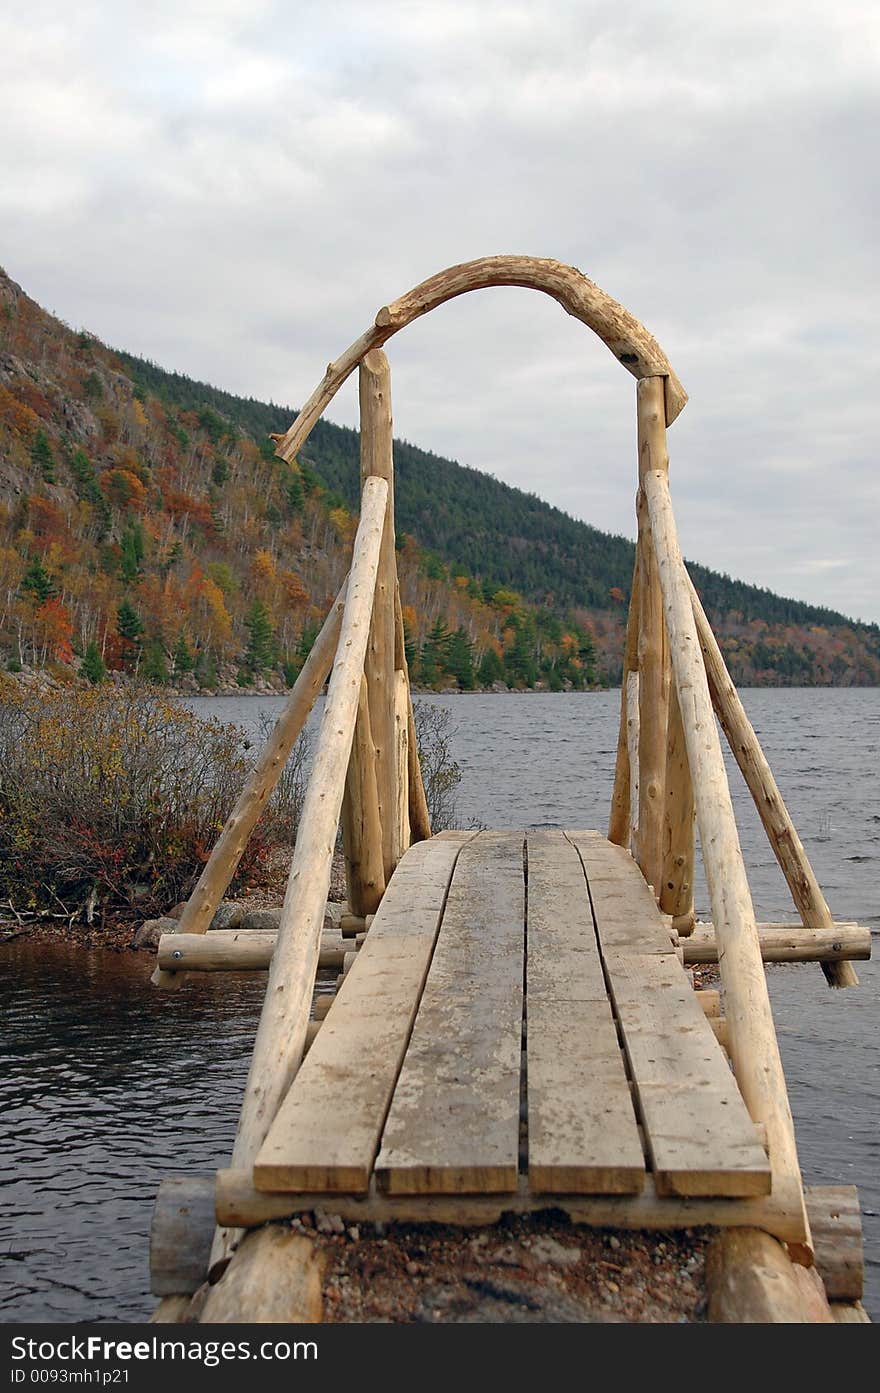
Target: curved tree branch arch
column 628, row 339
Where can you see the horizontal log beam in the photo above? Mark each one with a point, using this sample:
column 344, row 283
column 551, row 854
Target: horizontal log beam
column 239, row 1204
column 787, row 943
column 234, row 950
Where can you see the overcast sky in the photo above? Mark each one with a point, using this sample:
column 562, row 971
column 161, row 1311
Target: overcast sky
column 233, row 187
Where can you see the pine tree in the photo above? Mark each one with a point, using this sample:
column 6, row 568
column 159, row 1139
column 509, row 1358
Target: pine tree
column 206, row 671
column 38, row 582
column 133, row 545
column 261, row 644
column 434, row 661
column 129, row 627
column 42, row 457
column 181, row 657
column 155, row 668
column 295, row 495
column 220, row 472
column 460, row 660
column 93, row 665
column 491, row 669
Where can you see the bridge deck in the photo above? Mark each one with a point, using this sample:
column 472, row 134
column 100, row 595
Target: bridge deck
column 517, row 1015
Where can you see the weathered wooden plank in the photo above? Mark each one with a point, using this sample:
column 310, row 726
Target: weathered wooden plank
column 453, row 1126
column 630, row 919
column 582, row 1131
column 327, row 1130
column 700, row 1138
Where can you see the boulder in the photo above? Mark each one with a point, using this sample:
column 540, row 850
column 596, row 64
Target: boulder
column 151, row 930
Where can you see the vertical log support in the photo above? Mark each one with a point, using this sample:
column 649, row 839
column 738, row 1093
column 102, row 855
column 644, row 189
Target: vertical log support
column 787, row 846
column 677, row 884
column 361, row 825
column 401, row 721
column 653, row 665
column 753, row 1045
column 419, row 816
column 621, row 821
column 284, row 1019
column 632, row 750
column 376, row 459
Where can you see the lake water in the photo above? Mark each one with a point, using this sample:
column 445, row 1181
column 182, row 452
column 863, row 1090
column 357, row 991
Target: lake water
column 107, row 1085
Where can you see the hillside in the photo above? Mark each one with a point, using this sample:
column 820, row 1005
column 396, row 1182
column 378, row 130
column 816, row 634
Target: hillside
column 146, row 525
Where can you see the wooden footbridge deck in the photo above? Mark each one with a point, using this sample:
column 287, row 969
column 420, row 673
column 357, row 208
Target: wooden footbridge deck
column 518, row 1027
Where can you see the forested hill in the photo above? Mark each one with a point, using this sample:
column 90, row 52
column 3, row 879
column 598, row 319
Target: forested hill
column 469, row 521
column 147, row 526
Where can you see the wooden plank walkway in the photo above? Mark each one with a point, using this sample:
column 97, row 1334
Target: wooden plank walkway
column 517, row 1015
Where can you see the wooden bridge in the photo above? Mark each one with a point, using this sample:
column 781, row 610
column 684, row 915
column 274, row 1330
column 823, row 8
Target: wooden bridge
column 516, row 1027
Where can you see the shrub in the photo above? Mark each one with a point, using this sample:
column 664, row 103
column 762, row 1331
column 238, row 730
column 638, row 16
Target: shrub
column 119, row 794
column 440, row 772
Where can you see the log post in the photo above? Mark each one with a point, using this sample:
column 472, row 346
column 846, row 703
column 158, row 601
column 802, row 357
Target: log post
column 620, row 822
column 753, row 1044
column 282, row 1029
column 361, row 823
column 377, row 460
column 787, row 846
column 653, row 670
column 419, row 816
column 632, row 750
column 677, row 881
column 401, row 723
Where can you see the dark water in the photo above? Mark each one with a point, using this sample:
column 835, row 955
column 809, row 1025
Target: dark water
column 108, row 1085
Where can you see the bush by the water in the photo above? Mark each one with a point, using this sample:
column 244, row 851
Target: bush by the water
column 110, row 800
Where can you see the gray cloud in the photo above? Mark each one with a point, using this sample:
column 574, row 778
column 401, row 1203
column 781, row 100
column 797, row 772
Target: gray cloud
column 233, row 188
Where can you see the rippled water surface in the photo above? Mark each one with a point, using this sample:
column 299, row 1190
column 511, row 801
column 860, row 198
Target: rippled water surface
column 107, row 1085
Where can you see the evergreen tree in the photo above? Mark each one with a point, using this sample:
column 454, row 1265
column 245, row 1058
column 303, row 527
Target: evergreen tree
column 155, row 668
column 220, row 472
column 129, row 627
column 261, row 644
column 206, row 671
column 294, row 494
column 132, row 543
column 181, row 657
column 93, row 665
column 434, row 661
column 460, row 660
column 491, row 669
column 42, row 457
column 37, row 582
